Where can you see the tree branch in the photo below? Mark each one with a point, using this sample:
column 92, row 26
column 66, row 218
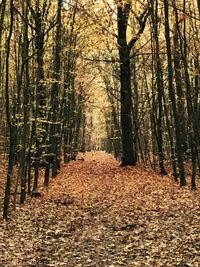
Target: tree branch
column 142, row 19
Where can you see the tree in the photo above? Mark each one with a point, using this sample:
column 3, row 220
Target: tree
column 54, row 112
column 160, row 88
column 11, row 127
column 26, row 101
column 128, row 144
column 173, row 98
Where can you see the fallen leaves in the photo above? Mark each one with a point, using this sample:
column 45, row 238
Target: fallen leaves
column 96, row 213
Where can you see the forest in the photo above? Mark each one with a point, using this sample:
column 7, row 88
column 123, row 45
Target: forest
column 100, row 89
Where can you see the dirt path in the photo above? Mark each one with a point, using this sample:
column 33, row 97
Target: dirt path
column 96, row 213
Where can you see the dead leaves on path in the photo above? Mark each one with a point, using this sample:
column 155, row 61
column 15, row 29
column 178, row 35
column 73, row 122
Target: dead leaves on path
column 98, row 214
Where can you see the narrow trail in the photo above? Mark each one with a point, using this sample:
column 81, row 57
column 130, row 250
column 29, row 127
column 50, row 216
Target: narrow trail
column 96, row 214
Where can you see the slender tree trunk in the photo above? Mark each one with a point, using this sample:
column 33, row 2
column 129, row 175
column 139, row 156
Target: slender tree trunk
column 40, row 110
column 2, row 16
column 173, row 98
column 3, row 8
column 160, row 89
column 179, row 89
column 25, row 108
column 171, row 141
column 9, row 121
column 198, row 4
column 135, row 110
column 53, row 117
column 193, row 123
column 68, row 109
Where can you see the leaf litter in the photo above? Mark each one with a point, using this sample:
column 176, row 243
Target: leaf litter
column 95, row 213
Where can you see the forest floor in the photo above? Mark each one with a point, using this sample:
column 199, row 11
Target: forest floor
column 95, row 213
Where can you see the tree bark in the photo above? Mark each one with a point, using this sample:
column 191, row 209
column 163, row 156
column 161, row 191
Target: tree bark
column 53, row 116
column 160, row 89
column 173, row 98
column 128, row 149
column 26, row 94
column 9, row 121
column 129, row 156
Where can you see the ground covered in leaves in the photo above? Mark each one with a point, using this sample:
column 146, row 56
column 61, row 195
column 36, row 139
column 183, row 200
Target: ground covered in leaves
column 95, row 213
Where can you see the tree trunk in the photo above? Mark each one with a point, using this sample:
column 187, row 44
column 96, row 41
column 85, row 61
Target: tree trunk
column 179, row 89
column 160, row 89
column 9, row 121
column 2, row 16
column 53, row 116
column 25, row 109
column 173, row 98
column 128, row 150
column 129, row 156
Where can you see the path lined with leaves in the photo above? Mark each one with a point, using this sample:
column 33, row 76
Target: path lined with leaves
column 96, row 213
